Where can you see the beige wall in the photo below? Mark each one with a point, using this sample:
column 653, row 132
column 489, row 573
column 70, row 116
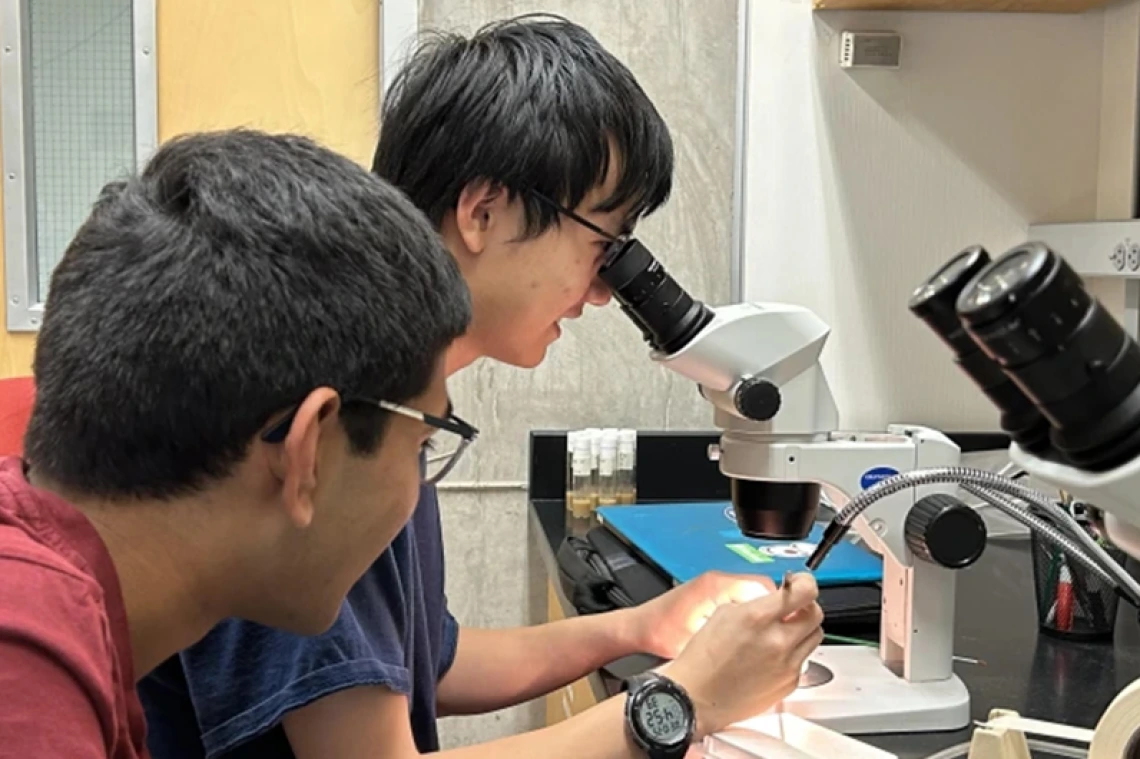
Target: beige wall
column 280, row 65
column 861, row 183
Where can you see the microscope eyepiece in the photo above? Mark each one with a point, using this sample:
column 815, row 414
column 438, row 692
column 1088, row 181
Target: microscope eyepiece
column 935, row 302
column 935, row 299
column 1030, row 312
column 666, row 314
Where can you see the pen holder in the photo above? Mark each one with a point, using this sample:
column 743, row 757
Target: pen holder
column 1072, row 602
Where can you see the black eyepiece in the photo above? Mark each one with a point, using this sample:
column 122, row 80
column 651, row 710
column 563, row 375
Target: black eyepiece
column 1030, row 312
column 667, row 316
column 935, row 302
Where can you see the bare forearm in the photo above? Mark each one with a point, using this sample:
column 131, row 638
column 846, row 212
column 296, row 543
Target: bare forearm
column 495, row 669
column 373, row 722
column 597, row 733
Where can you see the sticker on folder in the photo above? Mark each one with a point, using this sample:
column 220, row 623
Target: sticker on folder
column 766, row 554
column 751, row 554
column 789, row 550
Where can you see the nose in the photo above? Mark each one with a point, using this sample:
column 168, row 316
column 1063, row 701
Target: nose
column 599, row 293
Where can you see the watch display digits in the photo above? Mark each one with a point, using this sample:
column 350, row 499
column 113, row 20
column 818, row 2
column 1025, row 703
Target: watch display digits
column 663, row 718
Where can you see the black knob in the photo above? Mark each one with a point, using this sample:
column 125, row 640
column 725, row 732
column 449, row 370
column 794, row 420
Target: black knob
column 757, row 399
column 943, row 530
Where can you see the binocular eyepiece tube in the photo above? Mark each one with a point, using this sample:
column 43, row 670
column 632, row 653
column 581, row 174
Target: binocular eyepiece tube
column 1062, row 371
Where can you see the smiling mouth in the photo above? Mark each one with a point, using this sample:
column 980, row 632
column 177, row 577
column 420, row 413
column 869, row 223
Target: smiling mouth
column 571, row 317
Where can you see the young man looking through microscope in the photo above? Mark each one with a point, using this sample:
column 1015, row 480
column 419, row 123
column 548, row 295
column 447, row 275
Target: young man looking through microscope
column 496, row 138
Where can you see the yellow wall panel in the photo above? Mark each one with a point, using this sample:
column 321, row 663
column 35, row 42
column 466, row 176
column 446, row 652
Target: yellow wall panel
column 281, row 65
column 278, row 65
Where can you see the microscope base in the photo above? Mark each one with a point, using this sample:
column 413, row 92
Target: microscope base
column 865, row 698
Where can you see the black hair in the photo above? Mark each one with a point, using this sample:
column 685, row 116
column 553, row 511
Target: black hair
column 531, row 104
column 237, row 273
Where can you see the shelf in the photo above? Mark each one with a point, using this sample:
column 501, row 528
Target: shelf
column 993, row 6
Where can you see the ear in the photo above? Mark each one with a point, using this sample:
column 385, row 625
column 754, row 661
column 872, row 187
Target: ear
column 481, row 205
column 296, row 460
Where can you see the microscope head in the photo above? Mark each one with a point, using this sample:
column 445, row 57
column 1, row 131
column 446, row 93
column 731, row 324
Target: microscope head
column 757, row 364
column 1068, row 361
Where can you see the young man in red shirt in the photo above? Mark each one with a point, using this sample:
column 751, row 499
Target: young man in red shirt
column 239, row 366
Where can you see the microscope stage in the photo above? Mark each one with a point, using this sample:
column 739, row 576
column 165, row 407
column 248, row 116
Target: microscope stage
column 863, row 697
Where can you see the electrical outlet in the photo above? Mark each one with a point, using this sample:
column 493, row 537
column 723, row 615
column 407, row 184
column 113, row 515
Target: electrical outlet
column 870, row 50
column 1119, row 254
column 1095, row 249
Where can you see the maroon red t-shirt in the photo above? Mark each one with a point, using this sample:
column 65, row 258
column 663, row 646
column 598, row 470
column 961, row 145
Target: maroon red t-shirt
column 67, row 686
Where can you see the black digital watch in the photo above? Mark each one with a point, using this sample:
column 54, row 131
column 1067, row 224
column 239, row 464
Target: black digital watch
column 659, row 716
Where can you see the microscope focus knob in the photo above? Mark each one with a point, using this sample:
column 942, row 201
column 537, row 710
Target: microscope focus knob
column 943, row 530
column 757, row 399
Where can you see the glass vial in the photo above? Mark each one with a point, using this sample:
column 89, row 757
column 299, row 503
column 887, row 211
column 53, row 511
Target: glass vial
column 582, row 498
column 607, row 468
column 595, row 437
column 571, row 437
column 626, row 475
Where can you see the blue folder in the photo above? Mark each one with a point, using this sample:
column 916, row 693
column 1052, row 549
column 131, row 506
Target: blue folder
column 685, row 540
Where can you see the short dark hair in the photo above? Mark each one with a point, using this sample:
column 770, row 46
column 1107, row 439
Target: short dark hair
column 237, row 273
column 533, row 103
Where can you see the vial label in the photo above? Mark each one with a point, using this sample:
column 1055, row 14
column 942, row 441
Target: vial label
column 625, row 459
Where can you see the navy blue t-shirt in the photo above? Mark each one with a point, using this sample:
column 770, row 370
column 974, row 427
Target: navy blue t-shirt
column 226, row 696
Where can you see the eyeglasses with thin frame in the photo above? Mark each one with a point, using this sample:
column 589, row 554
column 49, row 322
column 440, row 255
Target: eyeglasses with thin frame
column 438, row 465
column 617, row 242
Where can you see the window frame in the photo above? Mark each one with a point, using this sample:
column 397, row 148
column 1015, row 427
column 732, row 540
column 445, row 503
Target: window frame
column 23, row 306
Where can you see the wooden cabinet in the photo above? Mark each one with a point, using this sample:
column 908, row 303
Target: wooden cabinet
column 574, row 698
column 279, row 65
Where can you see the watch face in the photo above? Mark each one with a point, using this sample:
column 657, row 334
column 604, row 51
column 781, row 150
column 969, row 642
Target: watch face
column 662, row 718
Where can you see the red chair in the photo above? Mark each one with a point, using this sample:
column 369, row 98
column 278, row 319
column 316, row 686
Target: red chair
column 16, row 397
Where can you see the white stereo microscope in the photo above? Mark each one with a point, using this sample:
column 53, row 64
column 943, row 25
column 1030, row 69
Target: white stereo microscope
column 758, row 364
column 1065, row 376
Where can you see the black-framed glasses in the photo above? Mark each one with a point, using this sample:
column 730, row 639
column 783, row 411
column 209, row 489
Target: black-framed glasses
column 617, row 242
column 442, row 456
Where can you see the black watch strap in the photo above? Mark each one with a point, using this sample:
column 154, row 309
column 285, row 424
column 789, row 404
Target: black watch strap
column 676, row 752
column 633, row 683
